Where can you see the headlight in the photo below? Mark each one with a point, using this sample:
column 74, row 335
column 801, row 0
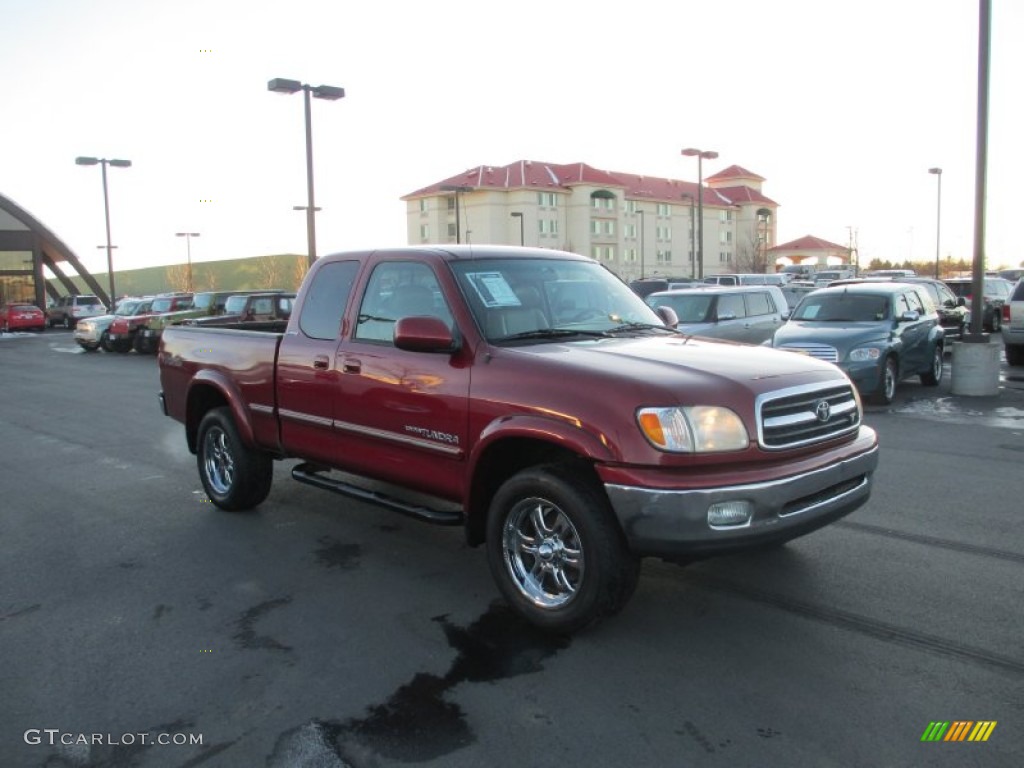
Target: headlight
column 865, row 353
column 85, row 325
column 694, row 429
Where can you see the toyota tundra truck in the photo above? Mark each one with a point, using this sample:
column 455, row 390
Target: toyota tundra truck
column 531, row 398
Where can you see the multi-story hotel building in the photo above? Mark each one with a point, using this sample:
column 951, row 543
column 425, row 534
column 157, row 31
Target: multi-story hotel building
column 636, row 225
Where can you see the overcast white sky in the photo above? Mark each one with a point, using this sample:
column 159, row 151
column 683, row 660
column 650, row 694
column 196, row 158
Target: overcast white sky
column 842, row 107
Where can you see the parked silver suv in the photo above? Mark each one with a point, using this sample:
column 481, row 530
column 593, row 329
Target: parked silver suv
column 746, row 313
column 68, row 310
column 1012, row 326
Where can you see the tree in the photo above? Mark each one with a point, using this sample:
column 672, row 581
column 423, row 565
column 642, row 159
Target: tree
column 269, row 269
column 751, row 255
column 177, row 277
column 299, row 272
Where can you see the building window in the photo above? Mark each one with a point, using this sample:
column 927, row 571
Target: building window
column 451, row 203
column 724, row 236
column 425, row 232
column 423, row 205
column 595, row 227
column 664, row 257
column 547, row 226
column 595, row 252
column 451, row 230
column 609, row 253
column 629, row 230
column 609, row 227
column 725, row 216
column 547, row 199
column 664, row 233
column 631, row 206
column 629, row 255
column 664, row 209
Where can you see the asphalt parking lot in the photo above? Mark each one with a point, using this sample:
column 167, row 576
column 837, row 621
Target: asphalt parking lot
column 322, row 632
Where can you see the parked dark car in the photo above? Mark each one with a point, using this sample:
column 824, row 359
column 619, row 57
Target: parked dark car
column 879, row 333
column 1013, row 325
column 254, row 312
column 952, row 309
column 644, row 287
column 996, row 291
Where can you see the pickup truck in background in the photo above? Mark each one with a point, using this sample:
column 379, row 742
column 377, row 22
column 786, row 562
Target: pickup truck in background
column 264, row 311
column 124, row 330
column 530, row 397
column 205, row 304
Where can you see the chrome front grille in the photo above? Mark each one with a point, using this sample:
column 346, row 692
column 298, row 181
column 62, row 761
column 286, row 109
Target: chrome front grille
column 790, row 418
column 821, row 351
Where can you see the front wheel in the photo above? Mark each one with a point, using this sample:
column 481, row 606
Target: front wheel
column 556, row 551
column 89, row 346
column 1015, row 354
column 105, row 342
column 933, row 375
column 143, row 345
column 887, row 379
column 234, row 476
column 122, row 346
column 997, row 320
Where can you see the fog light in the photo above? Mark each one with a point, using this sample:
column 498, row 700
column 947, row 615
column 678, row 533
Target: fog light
column 730, row 514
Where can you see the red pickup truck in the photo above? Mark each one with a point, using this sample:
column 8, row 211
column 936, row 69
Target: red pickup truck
column 532, row 398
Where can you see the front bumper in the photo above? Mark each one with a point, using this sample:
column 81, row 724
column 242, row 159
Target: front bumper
column 674, row 523
column 88, row 335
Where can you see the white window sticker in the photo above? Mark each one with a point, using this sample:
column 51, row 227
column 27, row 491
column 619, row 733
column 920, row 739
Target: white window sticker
column 493, row 289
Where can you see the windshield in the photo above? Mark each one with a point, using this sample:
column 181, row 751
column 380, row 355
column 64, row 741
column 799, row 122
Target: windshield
column 203, row 300
column 127, row 308
column 549, row 298
column 843, row 307
column 690, row 308
column 235, row 304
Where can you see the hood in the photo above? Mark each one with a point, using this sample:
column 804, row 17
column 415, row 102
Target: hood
column 683, row 369
column 834, row 333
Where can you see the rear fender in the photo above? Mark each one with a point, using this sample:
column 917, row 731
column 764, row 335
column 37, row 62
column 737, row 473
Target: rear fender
column 210, row 389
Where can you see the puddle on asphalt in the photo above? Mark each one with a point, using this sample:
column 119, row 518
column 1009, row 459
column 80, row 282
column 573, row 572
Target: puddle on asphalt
column 953, row 411
column 417, row 723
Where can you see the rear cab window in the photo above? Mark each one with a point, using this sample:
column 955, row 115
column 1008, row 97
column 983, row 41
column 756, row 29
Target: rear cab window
column 326, row 300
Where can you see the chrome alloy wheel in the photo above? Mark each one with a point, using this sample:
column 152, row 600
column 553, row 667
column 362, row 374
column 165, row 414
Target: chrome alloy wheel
column 219, row 464
column 543, row 552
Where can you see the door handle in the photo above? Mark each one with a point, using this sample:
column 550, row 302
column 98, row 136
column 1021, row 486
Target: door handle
column 351, row 365
column 320, row 362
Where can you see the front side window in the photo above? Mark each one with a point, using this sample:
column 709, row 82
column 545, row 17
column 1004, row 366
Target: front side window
column 398, row 289
column 759, row 304
column 730, row 306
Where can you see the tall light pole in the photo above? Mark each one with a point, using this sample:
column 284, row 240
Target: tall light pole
column 642, row 220
column 457, row 189
column 938, row 217
column 522, row 231
column 693, row 235
column 330, row 93
column 103, row 163
column 701, row 155
column 188, row 249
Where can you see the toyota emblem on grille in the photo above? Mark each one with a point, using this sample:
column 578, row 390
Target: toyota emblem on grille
column 822, row 410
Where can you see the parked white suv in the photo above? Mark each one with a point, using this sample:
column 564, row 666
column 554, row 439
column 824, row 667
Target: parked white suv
column 1012, row 326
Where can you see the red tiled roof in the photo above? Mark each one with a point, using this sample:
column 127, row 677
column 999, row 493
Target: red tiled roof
column 809, row 243
column 539, row 175
column 735, row 172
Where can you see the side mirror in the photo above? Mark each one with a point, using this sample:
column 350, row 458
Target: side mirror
column 961, row 301
column 668, row 316
column 424, row 334
column 910, row 316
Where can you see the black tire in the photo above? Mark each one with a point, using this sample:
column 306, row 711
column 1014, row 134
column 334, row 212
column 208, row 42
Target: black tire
column 1015, row 354
column 105, row 342
column 997, row 320
column 142, row 345
column 933, row 375
column 887, row 380
column 586, row 571
column 234, row 476
column 89, row 347
column 122, row 346
column 68, row 325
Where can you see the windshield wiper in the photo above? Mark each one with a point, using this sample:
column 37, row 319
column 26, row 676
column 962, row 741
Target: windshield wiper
column 552, row 333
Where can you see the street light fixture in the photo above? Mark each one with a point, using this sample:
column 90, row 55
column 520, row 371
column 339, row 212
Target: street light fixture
column 701, row 155
column 522, row 231
column 103, row 163
column 938, row 216
column 329, row 93
column 457, row 189
column 188, row 248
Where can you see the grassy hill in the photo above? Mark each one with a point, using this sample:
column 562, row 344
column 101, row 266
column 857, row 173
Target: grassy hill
column 277, row 271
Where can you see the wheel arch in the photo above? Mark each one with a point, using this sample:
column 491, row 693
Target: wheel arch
column 209, row 390
column 508, row 447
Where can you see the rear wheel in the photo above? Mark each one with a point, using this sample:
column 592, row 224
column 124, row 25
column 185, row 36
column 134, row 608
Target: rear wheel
column 887, row 379
column 142, row 345
column 234, row 476
column 556, row 551
column 123, row 346
column 997, row 321
column 933, row 375
column 1015, row 354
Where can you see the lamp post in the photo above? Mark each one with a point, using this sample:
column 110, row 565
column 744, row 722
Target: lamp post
column 938, row 216
column 701, row 155
column 188, row 250
column 330, row 93
column 103, row 163
column 522, row 231
column 642, row 220
column 457, row 189
column 693, row 235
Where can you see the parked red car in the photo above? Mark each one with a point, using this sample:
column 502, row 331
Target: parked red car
column 21, row 317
